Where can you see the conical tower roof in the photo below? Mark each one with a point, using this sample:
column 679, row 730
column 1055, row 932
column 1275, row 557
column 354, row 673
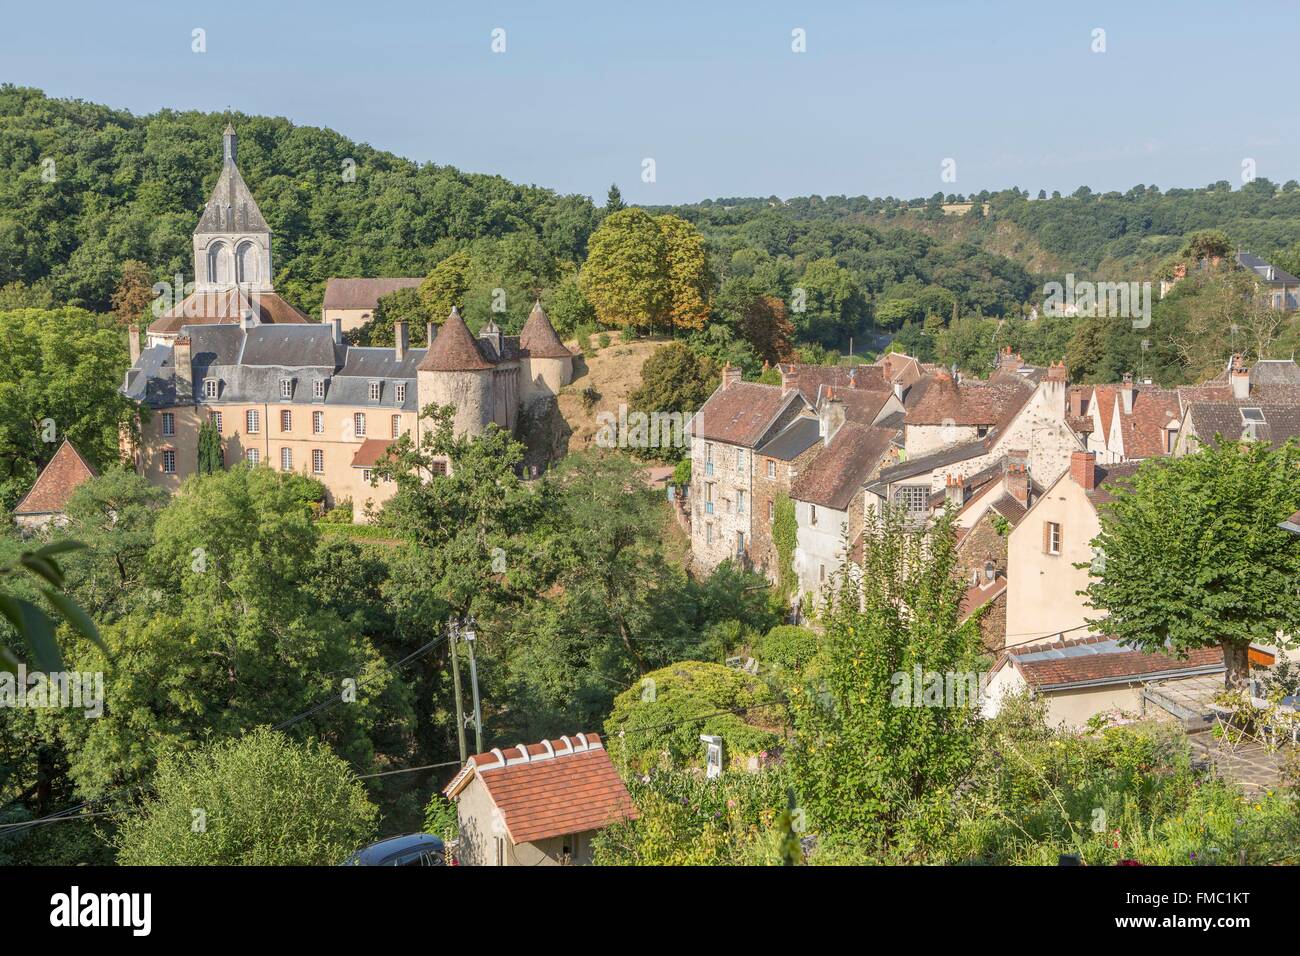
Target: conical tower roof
column 538, row 338
column 231, row 207
column 453, row 349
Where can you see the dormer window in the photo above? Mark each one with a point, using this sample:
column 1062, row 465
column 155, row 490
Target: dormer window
column 376, row 389
column 286, row 388
column 209, row 388
column 400, row 392
column 318, row 389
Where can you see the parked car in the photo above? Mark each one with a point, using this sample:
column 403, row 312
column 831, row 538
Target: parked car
column 410, row 849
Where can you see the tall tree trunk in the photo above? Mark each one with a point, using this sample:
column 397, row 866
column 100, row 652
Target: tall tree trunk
column 1236, row 663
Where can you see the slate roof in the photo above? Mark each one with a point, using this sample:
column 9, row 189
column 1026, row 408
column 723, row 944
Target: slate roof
column 1099, row 660
column 249, row 365
column 56, row 482
column 793, row 440
column 227, row 307
column 840, row 471
column 1210, row 418
column 363, row 293
column 1262, row 268
column 927, row 463
column 740, row 413
column 549, row 789
column 538, row 337
column 1108, row 480
column 231, row 207
column 454, row 349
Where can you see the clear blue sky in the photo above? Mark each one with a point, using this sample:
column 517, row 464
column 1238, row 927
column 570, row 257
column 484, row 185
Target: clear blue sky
column 712, row 91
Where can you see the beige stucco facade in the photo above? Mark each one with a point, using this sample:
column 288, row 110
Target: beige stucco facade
column 1042, row 586
column 485, row 841
column 336, row 441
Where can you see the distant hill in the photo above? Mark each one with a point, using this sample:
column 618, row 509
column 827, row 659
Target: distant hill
column 84, row 187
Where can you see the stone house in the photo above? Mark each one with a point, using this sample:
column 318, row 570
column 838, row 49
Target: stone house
column 778, row 462
column 537, row 804
column 830, row 495
column 738, row 418
column 353, row 301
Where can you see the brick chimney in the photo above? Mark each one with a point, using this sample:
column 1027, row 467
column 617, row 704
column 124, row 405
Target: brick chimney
column 1009, row 359
column 1083, row 469
column 400, row 342
column 956, row 490
column 789, row 379
column 133, row 340
column 181, row 357
column 731, row 374
column 1127, row 393
column 1239, row 376
column 1078, row 403
column 1015, row 476
column 337, row 333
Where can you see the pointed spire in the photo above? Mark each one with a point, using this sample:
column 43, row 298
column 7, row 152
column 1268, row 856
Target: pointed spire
column 453, row 349
column 538, row 338
column 230, row 144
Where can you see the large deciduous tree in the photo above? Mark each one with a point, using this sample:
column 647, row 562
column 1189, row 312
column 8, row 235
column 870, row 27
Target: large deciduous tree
column 687, row 266
column 1191, row 555
column 626, row 276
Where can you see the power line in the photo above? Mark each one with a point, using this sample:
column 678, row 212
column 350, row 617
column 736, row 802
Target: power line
column 427, row 766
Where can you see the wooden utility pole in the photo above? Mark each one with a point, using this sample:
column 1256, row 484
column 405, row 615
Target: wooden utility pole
column 470, row 638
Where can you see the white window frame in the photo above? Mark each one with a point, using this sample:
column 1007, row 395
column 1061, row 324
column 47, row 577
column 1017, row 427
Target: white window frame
column 215, row 418
column 397, row 426
column 359, row 424
column 209, row 388
column 253, row 456
column 318, row 389
column 286, row 459
column 286, row 420
column 318, row 423
column 399, row 392
column 168, row 424
column 318, row 461
column 286, row 388
column 252, row 422
column 169, row 461
column 376, row 391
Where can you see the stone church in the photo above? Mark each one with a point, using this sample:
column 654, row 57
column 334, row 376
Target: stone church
column 288, row 393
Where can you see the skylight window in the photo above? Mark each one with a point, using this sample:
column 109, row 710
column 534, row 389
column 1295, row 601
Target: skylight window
column 1252, row 416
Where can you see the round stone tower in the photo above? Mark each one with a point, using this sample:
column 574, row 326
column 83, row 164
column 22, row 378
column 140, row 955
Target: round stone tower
column 455, row 372
column 545, row 364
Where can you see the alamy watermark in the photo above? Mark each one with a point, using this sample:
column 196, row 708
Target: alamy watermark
column 642, row 429
column 37, row 689
column 922, row 688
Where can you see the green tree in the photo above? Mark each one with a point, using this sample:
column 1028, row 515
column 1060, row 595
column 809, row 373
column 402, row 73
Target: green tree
column 211, row 458
column 446, row 286
column 614, row 200
column 401, row 305
column 626, row 275
column 876, row 756
column 1191, row 555
column 785, row 534
column 256, row 800
column 674, row 379
column 689, row 281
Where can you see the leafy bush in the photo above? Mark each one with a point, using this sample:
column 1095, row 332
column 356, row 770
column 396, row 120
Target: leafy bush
column 665, row 713
column 787, row 648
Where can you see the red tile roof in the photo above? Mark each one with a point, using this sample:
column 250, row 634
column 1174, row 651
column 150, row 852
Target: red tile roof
column 370, row 451
column 980, row 594
column 1111, row 665
column 538, row 337
column 1143, row 430
column 810, row 379
column 740, row 413
column 861, row 405
column 971, row 403
column 453, row 349
column 551, row 788
column 363, row 293
column 227, row 308
column 56, row 482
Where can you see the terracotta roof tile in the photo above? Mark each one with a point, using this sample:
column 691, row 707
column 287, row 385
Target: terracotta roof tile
column 1143, row 429
column 740, row 413
column 56, row 482
column 364, row 293
column 980, row 594
column 1110, row 663
column 538, row 337
column 369, row 452
column 454, row 349
column 564, row 786
column 227, row 308
column 992, row 403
